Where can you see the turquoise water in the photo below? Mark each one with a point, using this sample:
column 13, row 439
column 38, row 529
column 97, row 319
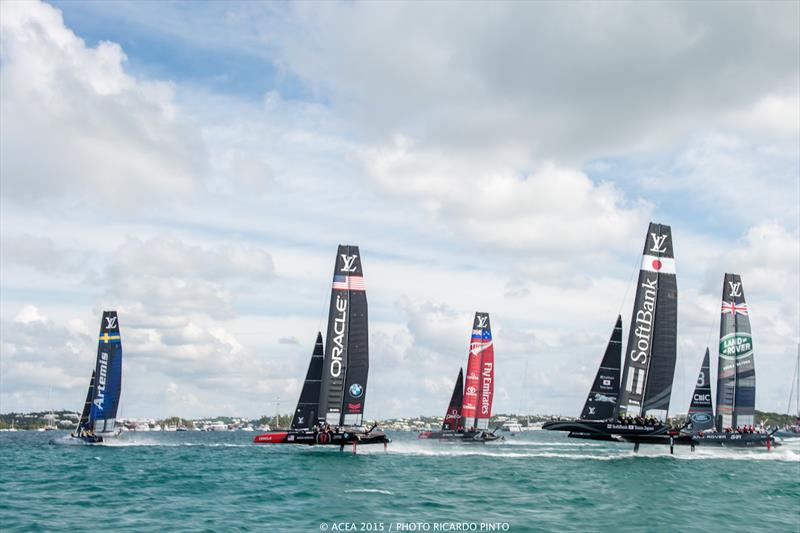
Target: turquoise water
column 539, row 481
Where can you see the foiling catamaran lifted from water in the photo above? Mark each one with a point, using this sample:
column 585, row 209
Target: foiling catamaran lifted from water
column 734, row 425
column 635, row 409
column 98, row 418
column 467, row 416
column 331, row 405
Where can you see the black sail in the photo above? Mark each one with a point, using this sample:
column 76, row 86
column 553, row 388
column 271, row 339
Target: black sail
column 602, row 399
column 346, row 364
column 736, row 374
column 701, row 410
column 83, row 423
column 651, row 353
column 305, row 415
column 452, row 418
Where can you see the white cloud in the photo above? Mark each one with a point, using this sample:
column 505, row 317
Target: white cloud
column 65, row 105
column 552, row 209
column 29, row 314
column 560, row 80
column 168, row 276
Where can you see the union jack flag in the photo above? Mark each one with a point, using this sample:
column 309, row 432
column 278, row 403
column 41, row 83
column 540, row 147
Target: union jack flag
column 349, row 283
column 734, row 308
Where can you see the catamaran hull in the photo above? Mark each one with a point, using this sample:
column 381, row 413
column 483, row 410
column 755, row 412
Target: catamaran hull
column 79, row 441
column 616, row 432
column 460, row 436
column 737, row 440
column 322, row 439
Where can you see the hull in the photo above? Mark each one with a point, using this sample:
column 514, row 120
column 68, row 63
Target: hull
column 79, row 440
column 788, row 434
column 460, row 436
column 311, row 438
column 736, row 440
column 617, row 432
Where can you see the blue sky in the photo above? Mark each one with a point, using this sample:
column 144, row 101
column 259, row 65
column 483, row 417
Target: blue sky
column 194, row 165
column 161, row 54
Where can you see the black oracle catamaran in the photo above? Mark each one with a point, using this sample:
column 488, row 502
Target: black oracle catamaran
column 98, row 418
column 331, row 404
column 734, row 425
column 467, row 416
column 634, row 408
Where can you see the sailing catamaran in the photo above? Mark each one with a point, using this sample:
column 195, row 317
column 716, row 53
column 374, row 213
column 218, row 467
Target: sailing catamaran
column 635, row 409
column 736, row 376
column 98, row 418
column 467, row 416
column 331, row 405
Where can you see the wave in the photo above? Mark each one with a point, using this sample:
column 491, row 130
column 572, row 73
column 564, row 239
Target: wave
column 596, row 452
column 371, row 491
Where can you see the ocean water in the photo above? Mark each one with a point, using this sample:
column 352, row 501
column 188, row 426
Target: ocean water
column 538, row 481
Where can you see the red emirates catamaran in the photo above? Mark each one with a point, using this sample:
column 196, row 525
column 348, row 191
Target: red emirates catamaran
column 467, row 416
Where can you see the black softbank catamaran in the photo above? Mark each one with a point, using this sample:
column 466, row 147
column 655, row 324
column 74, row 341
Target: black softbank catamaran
column 470, row 408
column 734, row 425
column 331, row 404
column 98, row 418
column 632, row 407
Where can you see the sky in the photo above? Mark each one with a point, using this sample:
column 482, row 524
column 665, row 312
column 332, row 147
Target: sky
column 194, row 165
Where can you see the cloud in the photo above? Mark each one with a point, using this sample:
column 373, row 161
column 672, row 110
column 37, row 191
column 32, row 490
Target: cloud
column 552, row 209
column 168, row 276
column 42, row 254
column 65, row 104
column 41, row 360
column 559, row 80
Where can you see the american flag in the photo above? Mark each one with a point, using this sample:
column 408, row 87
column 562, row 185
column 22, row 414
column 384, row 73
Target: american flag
column 352, row 283
column 734, row 308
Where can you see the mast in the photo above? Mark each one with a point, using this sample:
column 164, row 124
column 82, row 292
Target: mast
column 701, row 410
column 346, row 362
column 305, row 414
column 652, row 337
column 108, row 375
column 795, row 388
column 452, row 418
column 603, row 395
column 479, row 386
column 736, row 375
